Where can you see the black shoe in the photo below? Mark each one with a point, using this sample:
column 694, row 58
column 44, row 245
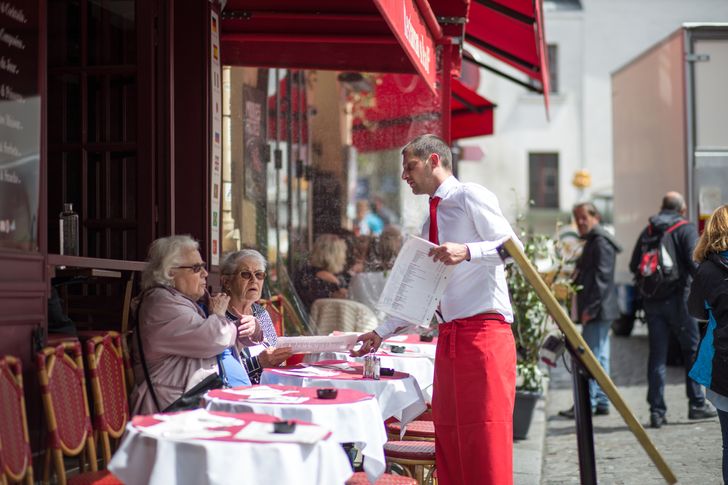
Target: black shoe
column 706, row 411
column 567, row 413
column 601, row 410
column 657, row 420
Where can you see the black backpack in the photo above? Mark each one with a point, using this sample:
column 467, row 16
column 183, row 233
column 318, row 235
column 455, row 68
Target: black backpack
column 658, row 272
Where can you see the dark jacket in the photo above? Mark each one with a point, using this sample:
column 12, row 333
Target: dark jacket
column 685, row 238
column 711, row 285
column 595, row 273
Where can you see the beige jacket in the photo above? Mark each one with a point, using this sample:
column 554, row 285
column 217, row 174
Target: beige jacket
column 180, row 347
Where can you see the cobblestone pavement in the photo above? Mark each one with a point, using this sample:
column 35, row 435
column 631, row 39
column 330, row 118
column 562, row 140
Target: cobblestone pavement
column 692, row 449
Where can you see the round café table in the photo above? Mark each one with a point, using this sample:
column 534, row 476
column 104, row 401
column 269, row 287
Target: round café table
column 412, row 362
column 399, row 395
column 210, row 448
column 352, row 417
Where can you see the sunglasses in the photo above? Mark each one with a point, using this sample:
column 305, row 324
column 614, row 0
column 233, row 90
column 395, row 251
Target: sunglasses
column 259, row 275
column 196, row 268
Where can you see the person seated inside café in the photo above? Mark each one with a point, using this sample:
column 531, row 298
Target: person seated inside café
column 367, row 286
column 242, row 278
column 319, row 277
column 181, row 342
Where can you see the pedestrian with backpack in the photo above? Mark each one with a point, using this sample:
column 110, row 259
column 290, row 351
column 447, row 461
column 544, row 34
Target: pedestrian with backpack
column 663, row 267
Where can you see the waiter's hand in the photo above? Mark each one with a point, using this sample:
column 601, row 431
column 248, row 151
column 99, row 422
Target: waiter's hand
column 370, row 340
column 450, row 253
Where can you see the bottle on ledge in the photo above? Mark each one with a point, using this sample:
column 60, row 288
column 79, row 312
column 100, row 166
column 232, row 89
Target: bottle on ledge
column 68, row 226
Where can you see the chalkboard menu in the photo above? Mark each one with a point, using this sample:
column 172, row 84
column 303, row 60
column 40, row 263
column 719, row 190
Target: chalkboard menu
column 19, row 124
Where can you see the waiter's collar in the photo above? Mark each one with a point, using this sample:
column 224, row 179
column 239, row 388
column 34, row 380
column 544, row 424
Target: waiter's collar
column 446, row 187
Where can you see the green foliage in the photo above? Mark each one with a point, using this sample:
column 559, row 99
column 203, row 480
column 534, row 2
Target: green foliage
column 530, row 317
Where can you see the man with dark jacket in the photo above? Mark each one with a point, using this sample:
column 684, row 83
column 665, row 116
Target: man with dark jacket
column 596, row 302
column 665, row 313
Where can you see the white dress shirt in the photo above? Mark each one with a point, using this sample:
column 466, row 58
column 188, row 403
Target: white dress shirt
column 469, row 214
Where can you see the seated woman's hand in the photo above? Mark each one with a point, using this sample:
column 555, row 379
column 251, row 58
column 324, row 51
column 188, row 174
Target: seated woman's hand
column 247, row 327
column 274, row 356
column 217, row 304
column 340, row 293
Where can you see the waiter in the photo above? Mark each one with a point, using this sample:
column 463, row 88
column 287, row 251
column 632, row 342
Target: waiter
column 475, row 363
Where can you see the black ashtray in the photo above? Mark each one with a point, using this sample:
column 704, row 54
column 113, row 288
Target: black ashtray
column 327, row 393
column 426, row 338
column 284, row 427
column 386, row 371
column 396, row 349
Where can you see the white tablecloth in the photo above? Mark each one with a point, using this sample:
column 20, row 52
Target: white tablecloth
column 350, row 422
column 146, row 459
column 416, row 364
column 400, row 397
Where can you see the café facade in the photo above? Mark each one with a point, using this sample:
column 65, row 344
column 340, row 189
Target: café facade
column 159, row 117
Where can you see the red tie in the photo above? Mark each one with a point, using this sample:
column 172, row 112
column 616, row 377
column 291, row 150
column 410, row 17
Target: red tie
column 433, row 219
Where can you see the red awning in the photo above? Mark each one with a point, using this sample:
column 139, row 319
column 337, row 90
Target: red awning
column 471, row 114
column 402, row 108
column 512, row 31
column 349, row 35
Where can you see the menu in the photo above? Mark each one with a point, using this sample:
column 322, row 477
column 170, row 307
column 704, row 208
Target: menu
column 19, row 124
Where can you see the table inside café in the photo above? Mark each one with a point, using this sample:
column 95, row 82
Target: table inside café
column 398, row 395
column 351, row 416
column 208, row 448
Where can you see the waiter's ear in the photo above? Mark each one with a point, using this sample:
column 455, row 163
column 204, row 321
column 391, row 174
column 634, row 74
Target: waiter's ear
column 435, row 160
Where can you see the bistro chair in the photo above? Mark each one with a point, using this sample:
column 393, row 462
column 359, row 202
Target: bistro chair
column 106, row 373
column 421, row 429
column 338, row 314
column 16, row 461
column 414, row 457
column 60, row 371
column 360, row 478
column 274, row 306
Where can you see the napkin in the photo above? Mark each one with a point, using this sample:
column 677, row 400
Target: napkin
column 308, row 372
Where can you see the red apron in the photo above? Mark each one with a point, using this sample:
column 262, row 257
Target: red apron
column 474, row 391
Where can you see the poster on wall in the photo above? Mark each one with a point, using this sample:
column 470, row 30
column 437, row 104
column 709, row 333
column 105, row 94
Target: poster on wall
column 216, row 146
column 254, row 142
column 19, row 125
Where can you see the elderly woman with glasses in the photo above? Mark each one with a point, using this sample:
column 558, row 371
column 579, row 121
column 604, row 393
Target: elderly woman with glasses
column 243, row 275
column 182, row 341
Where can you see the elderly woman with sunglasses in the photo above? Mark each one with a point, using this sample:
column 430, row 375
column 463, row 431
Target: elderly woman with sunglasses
column 181, row 339
column 243, row 275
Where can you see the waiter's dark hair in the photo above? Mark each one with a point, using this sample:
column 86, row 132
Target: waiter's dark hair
column 425, row 145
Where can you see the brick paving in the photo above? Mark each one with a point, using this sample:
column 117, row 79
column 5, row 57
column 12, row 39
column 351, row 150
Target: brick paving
column 691, row 448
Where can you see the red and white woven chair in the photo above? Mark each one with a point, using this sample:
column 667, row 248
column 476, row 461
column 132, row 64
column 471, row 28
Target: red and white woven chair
column 360, row 478
column 105, row 361
column 417, row 458
column 60, row 372
column 15, row 455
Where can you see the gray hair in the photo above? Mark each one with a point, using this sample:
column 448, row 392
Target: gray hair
column 673, row 201
column 231, row 261
column 165, row 254
column 425, row 145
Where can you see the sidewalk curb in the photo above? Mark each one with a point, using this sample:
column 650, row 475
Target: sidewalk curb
column 528, row 453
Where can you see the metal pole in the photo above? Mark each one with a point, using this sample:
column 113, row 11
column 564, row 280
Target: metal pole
column 278, row 163
column 289, row 171
column 583, row 417
column 299, row 160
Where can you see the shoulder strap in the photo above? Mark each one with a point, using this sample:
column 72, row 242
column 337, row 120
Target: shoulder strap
column 141, row 353
column 676, row 225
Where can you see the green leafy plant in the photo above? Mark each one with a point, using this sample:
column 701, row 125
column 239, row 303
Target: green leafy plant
column 530, row 317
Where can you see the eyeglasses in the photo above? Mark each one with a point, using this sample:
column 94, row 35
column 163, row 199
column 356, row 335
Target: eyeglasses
column 259, row 275
column 196, row 268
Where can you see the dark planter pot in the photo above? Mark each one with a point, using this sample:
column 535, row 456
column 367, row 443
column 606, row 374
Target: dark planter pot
column 523, row 412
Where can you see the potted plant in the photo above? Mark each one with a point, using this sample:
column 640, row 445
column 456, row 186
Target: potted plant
column 531, row 321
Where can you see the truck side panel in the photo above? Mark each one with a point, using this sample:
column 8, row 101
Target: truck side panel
column 648, row 102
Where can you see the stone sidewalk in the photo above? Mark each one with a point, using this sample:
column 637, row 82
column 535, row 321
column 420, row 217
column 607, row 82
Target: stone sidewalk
column 691, row 448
